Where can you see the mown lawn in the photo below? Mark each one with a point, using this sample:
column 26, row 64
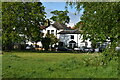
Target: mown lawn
column 56, row 65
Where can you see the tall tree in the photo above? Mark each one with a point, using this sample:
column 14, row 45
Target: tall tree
column 60, row 16
column 101, row 20
column 21, row 21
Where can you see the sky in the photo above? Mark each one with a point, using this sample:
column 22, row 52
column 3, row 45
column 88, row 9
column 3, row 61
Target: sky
column 51, row 6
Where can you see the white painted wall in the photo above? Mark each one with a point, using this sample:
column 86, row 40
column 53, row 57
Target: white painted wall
column 66, row 38
column 89, row 43
column 51, row 28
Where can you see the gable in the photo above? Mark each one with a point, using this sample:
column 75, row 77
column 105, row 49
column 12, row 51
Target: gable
column 57, row 26
column 51, row 28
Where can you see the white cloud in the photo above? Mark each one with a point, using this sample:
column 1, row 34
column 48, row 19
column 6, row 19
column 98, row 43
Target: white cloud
column 74, row 18
column 70, row 24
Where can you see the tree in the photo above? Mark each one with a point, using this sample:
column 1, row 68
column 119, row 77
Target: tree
column 101, row 22
column 79, row 25
column 21, row 21
column 49, row 40
column 45, row 43
column 60, row 16
column 53, row 38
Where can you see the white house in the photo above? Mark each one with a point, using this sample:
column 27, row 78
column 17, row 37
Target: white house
column 68, row 37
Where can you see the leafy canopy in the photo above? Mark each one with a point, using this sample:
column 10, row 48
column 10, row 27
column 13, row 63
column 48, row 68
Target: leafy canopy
column 60, row 16
column 21, row 21
column 49, row 40
column 101, row 20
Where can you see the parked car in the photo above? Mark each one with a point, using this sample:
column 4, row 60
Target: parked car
column 88, row 49
column 63, row 49
column 79, row 49
column 28, row 48
column 96, row 50
column 76, row 49
column 102, row 48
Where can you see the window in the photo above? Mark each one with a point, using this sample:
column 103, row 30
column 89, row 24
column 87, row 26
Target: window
column 48, row 31
column 72, row 36
column 52, row 31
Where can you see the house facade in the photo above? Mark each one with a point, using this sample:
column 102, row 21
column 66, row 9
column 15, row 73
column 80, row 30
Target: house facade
column 68, row 37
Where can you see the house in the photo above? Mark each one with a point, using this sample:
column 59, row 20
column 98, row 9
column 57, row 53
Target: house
column 68, row 37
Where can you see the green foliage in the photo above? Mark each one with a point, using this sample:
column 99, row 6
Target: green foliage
column 110, row 54
column 53, row 38
column 56, row 65
column 21, row 19
column 60, row 16
column 79, row 25
column 48, row 40
column 101, row 22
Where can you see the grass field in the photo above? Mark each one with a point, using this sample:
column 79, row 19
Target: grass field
column 56, row 65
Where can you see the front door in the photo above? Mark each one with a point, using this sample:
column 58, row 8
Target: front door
column 72, row 44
